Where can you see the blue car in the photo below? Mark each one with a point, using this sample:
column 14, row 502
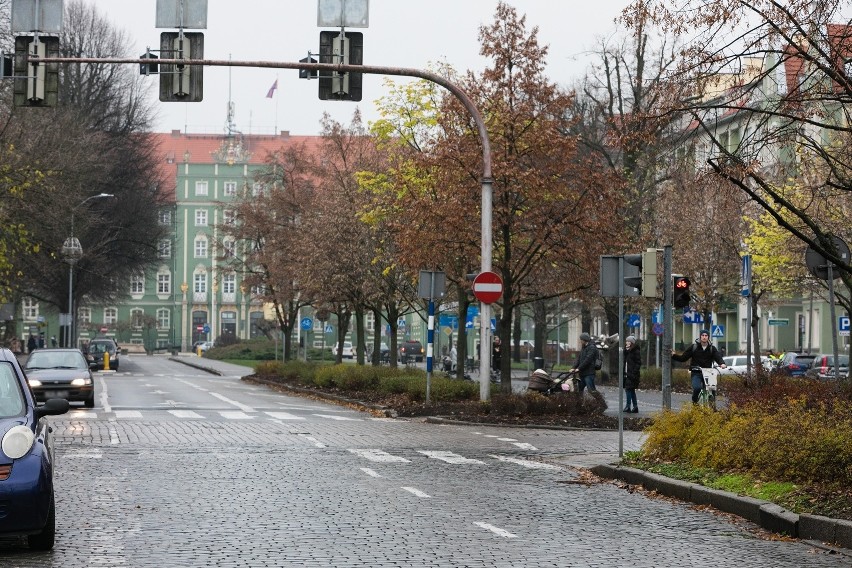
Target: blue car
column 26, row 458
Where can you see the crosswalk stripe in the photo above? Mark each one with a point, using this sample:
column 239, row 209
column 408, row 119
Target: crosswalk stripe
column 285, row 416
column 185, row 414
column 496, row 530
column 338, row 417
column 235, row 415
column 417, row 492
column 128, row 414
column 527, row 463
column 378, row 456
column 448, row 457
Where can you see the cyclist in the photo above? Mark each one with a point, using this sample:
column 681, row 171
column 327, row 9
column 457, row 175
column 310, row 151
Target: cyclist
column 703, row 355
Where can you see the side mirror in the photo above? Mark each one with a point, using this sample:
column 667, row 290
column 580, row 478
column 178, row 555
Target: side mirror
column 52, row 407
column 93, row 365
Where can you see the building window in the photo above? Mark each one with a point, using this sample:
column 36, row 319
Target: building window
column 164, row 318
column 110, row 315
column 84, row 315
column 228, row 216
column 200, row 217
column 137, row 317
column 165, row 217
column 258, row 290
column 165, row 248
column 30, row 309
column 164, row 283
column 201, row 188
column 229, row 247
column 256, row 189
column 201, row 248
column 200, row 283
column 137, row 284
column 230, row 188
column 229, row 284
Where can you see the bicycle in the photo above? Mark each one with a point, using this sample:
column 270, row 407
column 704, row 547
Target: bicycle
column 707, row 396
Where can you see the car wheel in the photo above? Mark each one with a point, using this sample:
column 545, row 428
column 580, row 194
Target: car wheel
column 45, row 539
column 90, row 402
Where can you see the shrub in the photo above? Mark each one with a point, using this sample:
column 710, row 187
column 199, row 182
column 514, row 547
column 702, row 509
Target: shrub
column 271, row 369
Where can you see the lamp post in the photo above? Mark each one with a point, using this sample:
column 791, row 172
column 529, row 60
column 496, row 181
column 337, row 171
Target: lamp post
column 72, row 251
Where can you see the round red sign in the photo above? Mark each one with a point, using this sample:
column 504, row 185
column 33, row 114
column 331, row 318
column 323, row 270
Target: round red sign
column 487, row 287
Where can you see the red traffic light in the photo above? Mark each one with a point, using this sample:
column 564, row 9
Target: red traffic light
column 681, row 296
column 682, row 283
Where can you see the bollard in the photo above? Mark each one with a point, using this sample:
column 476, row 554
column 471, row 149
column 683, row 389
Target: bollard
column 198, row 351
column 106, row 360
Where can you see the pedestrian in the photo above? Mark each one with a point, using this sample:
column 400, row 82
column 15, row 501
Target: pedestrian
column 496, row 354
column 53, row 341
column 454, row 355
column 702, row 354
column 585, row 365
column 632, row 364
column 31, row 344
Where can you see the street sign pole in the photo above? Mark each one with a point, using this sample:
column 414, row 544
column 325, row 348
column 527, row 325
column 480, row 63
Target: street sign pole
column 668, row 323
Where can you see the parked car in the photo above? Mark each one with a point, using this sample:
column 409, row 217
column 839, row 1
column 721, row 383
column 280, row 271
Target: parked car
column 96, row 349
column 61, row 373
column 738, row 364
column 348, row 351
column 384, row 353
column 823, row 367
column 795, row 364
column 203, row 345
column 411, row 350
column 26, row 457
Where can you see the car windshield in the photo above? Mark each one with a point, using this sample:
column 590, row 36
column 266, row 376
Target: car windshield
column 55, row 360
column 11, row 397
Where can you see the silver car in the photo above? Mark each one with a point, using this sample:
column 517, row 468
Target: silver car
column 738, row 364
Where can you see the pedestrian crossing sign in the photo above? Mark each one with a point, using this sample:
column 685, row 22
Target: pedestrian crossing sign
column 717, row 331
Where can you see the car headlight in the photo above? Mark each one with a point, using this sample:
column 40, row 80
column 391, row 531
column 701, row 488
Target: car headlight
column 81, row 381
column 17, row 442
column 34, row 382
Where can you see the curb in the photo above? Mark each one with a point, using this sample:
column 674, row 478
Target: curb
column 767, row 515
column 210, row 370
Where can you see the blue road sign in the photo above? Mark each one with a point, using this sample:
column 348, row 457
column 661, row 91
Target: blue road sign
column 717, row 331
column 328, row 328
column 843, row 325
column 692, row 316
column 633, row 320
column 746, row 275
column 206, row 328
column 307, row 323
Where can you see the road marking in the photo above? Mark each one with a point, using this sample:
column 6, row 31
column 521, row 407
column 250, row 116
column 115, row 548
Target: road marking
column 316, row 442
column 370, row 472
column 448, row 457
column 417, row 492
column 88, row 455
column 524, row 446
column 128, row 414
column 104, row 394
column 113, row 435
column 339, row 417
column 235, row 415
column 80, row 414
column 496, row 530
column 239, row 405
column 507, row 439
column 527, row 463
column 285, row 416
column 378, row 456
column 185, row 414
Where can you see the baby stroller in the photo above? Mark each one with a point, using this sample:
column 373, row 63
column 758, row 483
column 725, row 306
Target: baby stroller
column 541, row 381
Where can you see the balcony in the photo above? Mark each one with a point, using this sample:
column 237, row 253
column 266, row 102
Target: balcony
column 199, row 297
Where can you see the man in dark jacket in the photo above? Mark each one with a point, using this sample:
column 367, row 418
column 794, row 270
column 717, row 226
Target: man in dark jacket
column 632, row 365
column 585, row 365
column 703, row 355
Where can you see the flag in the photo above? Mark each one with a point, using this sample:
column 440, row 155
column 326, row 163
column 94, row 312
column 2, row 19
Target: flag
column 272, row 89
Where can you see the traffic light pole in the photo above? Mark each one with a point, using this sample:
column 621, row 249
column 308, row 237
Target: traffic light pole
column 487, row 180
column 668, row 324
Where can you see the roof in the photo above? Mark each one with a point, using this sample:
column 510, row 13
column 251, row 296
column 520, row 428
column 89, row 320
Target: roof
column 176, row 147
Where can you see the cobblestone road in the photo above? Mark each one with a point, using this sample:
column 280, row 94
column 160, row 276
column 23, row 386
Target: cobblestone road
column 281, row 481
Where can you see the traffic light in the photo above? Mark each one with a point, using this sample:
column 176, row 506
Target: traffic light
column 642, row 280
column 681, row 296
column 346, row 49
column 36, row 84
column 181, row 83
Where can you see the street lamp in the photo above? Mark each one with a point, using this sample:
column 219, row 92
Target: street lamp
column 72, row 251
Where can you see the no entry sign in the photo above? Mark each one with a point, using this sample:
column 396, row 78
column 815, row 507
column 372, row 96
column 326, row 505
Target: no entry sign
column 487, row 287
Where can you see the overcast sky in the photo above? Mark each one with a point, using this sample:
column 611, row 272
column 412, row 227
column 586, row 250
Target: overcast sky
column 401, row 33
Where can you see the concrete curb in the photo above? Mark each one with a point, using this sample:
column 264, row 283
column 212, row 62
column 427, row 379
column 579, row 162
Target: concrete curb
column 767, row 515
column 188, row 363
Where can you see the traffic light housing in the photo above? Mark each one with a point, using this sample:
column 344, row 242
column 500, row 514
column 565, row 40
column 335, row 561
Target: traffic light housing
column 641, row 280
column 36, row 85
column 681, row 296
column 346, row 49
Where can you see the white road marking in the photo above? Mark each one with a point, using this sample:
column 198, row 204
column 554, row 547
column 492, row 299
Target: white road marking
column 80, row 414
column 128, row 414
column 159, row 392
column 104, row 395
column 316, row 442
column 507, row 439
column 285, row 416
column 83, row 455
column 235, row 415
column 338, row 417
column 528, row 463
column 448, row 457
column 378, row 456
column 370, row 472
column 524, row 446
column 417, row 492
column 113, row 435
column 185, row 414
column 239, row 405
column 496, row 530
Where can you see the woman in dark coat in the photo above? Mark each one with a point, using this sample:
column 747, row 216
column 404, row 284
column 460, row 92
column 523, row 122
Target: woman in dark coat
column 632, row 363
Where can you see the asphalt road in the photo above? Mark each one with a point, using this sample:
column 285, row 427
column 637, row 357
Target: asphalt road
column 178, row 467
